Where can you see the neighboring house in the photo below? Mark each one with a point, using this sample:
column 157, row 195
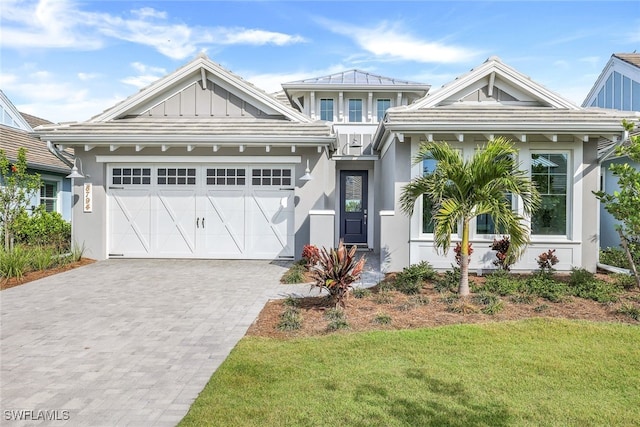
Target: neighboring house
column 202, row 164
column 617, row 88
column 16, row 131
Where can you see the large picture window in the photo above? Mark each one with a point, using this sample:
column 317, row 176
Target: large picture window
column 355, row 110
column 549, row 171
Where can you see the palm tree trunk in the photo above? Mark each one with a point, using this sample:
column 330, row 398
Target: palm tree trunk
column 463, row 290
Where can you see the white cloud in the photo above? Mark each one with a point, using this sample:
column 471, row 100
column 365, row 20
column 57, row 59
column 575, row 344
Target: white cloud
column 148, row 74
column 63, row 24
column 258, row 37
column 87, row 76
column 390, row 41
column 52, row 96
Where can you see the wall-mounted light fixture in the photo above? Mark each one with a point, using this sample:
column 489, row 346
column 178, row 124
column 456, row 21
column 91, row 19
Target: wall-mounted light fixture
column 74, row 170
column 307, row 174
column 355, row 143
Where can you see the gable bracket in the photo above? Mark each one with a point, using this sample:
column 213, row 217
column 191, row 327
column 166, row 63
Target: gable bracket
column 552, row 137
column 492, row 80
column 203, row 75
column 489, row 136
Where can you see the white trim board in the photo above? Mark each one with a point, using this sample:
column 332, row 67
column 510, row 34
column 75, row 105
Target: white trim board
column 199, row 159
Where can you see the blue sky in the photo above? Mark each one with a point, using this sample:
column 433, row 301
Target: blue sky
column 69, row 60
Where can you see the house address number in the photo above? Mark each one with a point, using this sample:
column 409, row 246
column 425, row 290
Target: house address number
column 88, row 197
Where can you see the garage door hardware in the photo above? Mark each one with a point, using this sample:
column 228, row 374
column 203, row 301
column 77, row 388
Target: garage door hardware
column 198, row 222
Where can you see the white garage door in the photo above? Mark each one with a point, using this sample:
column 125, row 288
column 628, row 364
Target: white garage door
column 204, row 211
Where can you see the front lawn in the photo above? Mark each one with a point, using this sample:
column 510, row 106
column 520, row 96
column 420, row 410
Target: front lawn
column 531, row 372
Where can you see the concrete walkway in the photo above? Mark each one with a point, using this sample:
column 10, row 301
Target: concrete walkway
column 127, row 342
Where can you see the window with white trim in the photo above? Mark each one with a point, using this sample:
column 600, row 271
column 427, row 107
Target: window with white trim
column 49, row 195
column 355, row 110
column 382, row 105
column 428, row 166
column 549, row 171
column 326, row 109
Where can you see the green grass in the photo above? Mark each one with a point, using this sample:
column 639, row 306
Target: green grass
column 533, row 372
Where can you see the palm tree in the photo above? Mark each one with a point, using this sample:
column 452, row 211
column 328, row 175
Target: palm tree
column 461, row 190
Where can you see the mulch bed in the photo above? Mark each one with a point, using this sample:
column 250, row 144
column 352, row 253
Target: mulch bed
column 429, row 309
column 35, row 275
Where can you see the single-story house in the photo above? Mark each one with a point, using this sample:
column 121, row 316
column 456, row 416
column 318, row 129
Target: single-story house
column 617, row 88
column 202, row 164
column 16, row 131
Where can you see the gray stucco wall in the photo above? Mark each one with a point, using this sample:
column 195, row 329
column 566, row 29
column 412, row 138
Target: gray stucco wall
column 608, row 236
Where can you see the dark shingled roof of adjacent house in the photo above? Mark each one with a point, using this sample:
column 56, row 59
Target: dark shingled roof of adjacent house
column 38, row 156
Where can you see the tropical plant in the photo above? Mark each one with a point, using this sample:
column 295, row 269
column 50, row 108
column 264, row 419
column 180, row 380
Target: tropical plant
column 42, row 228
column 17, row 189
column 310, row 253
column 461, row 190
column 502, row 248
column 546, row 261
column 624, row 205
column 336, row 270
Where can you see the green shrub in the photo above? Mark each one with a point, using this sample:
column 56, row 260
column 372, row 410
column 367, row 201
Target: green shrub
column 42, row 228
column 493, row 307
column 291, row 301
column 295, row 274
column 583, row 284
column 543, row 285
column 449, row 281
column 361, row 292
column 541, row 308
column 410, row 280
column 484, row 298
column 14, row 263
column 630, row 311
column 501, row 283
column 523, row 299
column 290, row 319
column 337, row 319
column 617, row 256
column 624, row 281
column 382, row 319
column 43, row 258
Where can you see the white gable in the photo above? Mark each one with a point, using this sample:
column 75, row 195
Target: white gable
column 204, row 87
column 493, row 83
column 10, row 116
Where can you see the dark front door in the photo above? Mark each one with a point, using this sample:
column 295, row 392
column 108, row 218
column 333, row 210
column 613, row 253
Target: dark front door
column 353, row 206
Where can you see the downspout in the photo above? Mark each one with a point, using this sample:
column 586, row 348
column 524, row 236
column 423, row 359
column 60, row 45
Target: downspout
column 59, row 154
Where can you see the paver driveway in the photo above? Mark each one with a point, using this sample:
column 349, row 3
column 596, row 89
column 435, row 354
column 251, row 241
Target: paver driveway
column 125, row 342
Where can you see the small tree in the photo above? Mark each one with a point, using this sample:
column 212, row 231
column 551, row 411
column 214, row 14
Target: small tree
column 17, row 189
column 461, row 190
column 624, row 205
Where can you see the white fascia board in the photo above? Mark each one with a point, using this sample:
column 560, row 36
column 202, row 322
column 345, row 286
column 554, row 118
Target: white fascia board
column 151, row 140
column 497, row 127
column 199, row 159
column 355, row 88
